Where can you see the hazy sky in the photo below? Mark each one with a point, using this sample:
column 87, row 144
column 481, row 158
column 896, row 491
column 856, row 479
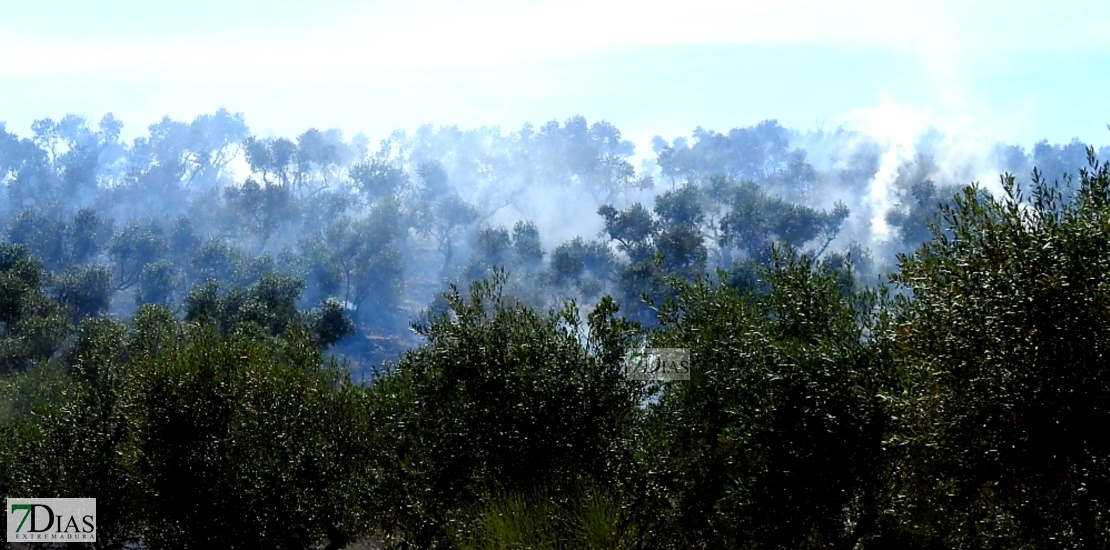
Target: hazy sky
column 1016, row 70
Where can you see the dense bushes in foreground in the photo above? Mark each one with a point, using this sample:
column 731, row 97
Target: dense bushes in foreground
column 967, row 410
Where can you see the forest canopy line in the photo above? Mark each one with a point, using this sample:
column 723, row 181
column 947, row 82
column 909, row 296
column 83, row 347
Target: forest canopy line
column 421, row 342
column 379, row 231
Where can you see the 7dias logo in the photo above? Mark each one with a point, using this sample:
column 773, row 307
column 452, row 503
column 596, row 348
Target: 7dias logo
column 51, row 519
column 657, row 364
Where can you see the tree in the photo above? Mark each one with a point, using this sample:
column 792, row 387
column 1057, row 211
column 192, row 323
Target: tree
column 79, row 165
column 683, row 250
column 589, row 266
column 178, row 154
column 633, row 229
column 217, row 260
column 566, row 265
column 87, row 434
column 131, row 249
column 88, row 234
column 757, row 220
column 44, row 237
column 270, row 303
column 1004, row 341
column 251, row 426
column 776, row 439
column 493, row 247
column 433, row 178
column 160, row 421
column 27, row 172
column 919, row 196
column 379, row 178
column 1060, row 162
column 32, row 327
column 367, row 257
column 756, row 153
column 317, row 158
column 445, row 218
column 680, row 207
column 214, row 140
column 85, row 290
column 527, row 248
column 261, row 208
column 500, row 397
column 330, row 323
column 159, row 283
column 611, row 176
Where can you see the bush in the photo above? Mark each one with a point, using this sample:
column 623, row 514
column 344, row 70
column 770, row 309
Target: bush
column 501, row 398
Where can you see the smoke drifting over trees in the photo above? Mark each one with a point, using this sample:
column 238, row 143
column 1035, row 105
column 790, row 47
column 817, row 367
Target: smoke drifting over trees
column 382, row 228
column 198, row 299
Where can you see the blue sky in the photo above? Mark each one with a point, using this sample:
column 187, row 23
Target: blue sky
column 1017, row 71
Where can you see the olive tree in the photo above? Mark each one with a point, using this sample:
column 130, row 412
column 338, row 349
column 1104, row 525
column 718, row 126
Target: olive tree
column 1006, row 336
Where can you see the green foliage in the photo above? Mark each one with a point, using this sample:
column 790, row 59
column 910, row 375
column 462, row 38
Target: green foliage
column 163, row 425
column 379, row 177
column 511, row 521
column 527, row 248
column 776, row 439
column 1004, row 340
column 497, row 247
column 566, row 265
column 443, row 218
column 84, row 290
column 741, row 220
column 154, row 329
column 683, row 250
column 817, row 415
column 132, row 249
column 28, row 394
column 633, row 229
column 587, row 265
column 641, row 283
column 269, row 304
column 57, row 243
column 216, row 260
column 70, row 446
column 330, row 323
column 681, row 207
column 32, row 326
column 754, row 153
column 365, row 255
column 757, row 220
column 493, row 248
column 235, row 425
column 500, row 398
column 183, row 239
column 260, row 208
column 158, row 284
column 89, row 233
column 911, row 219
column 589, row 518
column 43, row 237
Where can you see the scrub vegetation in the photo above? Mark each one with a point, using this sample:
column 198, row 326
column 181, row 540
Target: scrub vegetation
column 241, row 341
